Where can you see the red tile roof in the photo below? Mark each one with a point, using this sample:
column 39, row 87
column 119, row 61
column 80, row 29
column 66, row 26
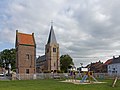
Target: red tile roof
column 108, row 62
column 26, row 39
column 96, row 64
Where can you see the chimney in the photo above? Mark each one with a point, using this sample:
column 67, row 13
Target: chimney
column 16, row 31
column 119, row 56
column 32, row 34
column 113, row 57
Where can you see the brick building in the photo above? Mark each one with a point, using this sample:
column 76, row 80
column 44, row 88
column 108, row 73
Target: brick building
column 105, row 65
column 25, row 53
column 96, row 67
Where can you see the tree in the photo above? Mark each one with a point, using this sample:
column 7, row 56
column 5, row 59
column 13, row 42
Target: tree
column 65, row 62
column 8, row 57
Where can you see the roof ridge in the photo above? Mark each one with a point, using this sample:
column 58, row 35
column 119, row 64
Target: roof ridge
column 24, row 33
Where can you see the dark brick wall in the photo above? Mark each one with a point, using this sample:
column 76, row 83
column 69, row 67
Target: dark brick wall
column 26, row 59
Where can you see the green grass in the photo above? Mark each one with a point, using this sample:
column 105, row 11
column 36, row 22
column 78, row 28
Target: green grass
column 54, row 85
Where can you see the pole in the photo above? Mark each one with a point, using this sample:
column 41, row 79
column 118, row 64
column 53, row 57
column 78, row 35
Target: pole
column 114, row 82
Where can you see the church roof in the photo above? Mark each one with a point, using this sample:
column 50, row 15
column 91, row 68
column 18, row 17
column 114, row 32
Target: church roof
column 25, row 39
column 52, row 38
column 41, row 58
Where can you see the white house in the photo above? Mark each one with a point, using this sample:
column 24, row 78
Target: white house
column 114, row 67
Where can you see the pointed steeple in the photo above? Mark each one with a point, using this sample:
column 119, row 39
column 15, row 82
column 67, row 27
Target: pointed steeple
column 52, row 38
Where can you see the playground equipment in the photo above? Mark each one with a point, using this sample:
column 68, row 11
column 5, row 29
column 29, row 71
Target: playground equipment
column 72, row 74
column 114, row 81
column 88, row 76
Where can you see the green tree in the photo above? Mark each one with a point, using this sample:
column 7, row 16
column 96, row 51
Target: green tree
column 8, row 55
column 65, row 62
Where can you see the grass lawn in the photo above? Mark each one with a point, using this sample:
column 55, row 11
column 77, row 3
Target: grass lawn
column 54, row 85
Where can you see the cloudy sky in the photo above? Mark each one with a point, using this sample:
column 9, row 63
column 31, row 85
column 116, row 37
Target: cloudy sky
column 87, row 30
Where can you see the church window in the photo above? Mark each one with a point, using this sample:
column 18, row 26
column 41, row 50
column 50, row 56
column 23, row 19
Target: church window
column 54, row 64
column 54, row 49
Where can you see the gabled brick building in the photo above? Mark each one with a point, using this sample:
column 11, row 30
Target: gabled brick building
column 95, row 67
column 105, row 65
column 25, row 53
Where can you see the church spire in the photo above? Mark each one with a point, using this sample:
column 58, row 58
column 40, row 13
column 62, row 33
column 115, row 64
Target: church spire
column 52, row 38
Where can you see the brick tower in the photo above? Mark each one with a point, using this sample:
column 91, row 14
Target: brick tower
column 25, row 53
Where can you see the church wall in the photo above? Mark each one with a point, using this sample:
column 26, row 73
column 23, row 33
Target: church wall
column 52, row 57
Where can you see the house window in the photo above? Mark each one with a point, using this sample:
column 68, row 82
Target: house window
column 54, row 49
column 113, row 71
column 113, row 68
column 27, row 71
column 109, row 70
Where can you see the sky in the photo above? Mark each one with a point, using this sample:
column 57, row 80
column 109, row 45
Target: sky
column 87, row 30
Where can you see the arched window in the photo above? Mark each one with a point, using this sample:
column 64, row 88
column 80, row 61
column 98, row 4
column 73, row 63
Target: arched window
column 54, row 49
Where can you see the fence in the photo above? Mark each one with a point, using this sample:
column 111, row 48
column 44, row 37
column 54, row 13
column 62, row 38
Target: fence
column 105, row 75
column 57, row 76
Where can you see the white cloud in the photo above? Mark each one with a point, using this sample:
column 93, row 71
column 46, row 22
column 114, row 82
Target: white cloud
column 101, row 17
column 7, row 36
column 83, row 28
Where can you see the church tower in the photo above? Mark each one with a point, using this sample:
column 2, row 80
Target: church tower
column 52, row 52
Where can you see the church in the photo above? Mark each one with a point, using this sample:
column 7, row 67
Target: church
column 50, row 62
